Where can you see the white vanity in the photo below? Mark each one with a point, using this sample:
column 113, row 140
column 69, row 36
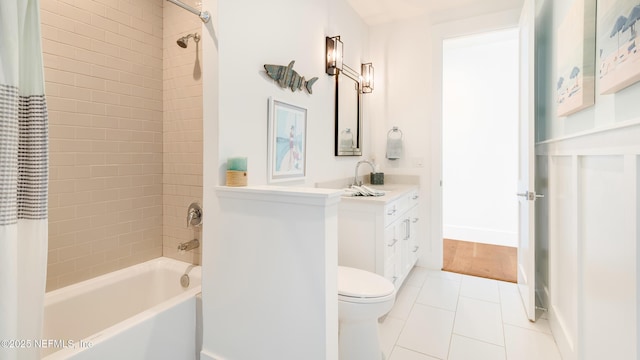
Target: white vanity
column 379, row 234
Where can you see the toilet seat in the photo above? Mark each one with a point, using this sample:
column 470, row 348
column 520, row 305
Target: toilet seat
column 359, row 286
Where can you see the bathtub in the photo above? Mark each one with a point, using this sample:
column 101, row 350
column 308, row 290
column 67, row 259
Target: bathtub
column 140, row 312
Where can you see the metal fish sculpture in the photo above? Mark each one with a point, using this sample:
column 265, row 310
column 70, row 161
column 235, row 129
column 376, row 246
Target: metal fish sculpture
column 287, row 77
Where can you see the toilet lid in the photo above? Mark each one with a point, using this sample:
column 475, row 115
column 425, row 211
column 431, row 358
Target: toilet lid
column 362, row 284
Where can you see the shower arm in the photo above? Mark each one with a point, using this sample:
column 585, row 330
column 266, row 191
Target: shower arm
column 204, row 15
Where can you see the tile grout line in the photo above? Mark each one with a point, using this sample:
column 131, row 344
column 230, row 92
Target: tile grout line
column 455, row 316
column 504, row 336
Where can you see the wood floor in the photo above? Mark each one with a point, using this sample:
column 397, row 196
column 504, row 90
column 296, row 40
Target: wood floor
column 483, row 260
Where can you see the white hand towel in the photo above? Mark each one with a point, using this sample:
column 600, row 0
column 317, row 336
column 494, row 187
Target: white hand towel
column 394, row 148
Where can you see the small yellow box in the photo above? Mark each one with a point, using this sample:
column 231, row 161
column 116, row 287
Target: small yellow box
column 236, row 178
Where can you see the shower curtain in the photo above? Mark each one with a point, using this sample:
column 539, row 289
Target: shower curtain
column 23, row 180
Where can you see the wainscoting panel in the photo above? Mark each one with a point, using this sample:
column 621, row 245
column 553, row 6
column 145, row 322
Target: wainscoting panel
column 593, row 215
column 605, row 230
column 563, row 262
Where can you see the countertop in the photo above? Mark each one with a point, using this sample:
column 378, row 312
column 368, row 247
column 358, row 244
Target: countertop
column 392, row 192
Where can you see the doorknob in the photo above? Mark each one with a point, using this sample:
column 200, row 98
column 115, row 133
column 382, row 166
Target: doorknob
column 530, row 195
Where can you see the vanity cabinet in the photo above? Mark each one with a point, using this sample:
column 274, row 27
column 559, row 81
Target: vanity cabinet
column 379, row 234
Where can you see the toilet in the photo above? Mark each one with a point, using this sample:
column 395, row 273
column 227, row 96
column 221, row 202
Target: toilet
column 363, row 297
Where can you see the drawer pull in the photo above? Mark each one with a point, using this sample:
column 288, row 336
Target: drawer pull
column 393, row 243
column 394, row 279
column 407, row 229
column 392, row 211
column 415, row 220
column 415, row 197
column 415, row 248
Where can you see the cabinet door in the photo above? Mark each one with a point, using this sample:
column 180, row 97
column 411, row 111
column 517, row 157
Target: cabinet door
column 414, row 224
column 407, row 227
column 392, row 241
column 405, row 245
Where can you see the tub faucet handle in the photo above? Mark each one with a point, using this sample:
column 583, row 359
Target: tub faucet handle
column 194, row 215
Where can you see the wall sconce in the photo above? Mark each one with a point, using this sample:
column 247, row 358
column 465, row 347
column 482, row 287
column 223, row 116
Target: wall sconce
column 367, row 77
column 334, row 55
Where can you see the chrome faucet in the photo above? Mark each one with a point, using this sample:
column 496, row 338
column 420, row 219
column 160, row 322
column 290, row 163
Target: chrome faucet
column 355, row 178
column 189, row 245
column 194, row 215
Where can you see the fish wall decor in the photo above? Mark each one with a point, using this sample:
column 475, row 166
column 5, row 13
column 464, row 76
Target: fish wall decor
column 287, row 77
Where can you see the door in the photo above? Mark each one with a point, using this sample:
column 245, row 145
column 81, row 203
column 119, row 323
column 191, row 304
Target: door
column 526, row 194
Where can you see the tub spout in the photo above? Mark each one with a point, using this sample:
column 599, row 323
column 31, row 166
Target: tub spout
column 190, row 245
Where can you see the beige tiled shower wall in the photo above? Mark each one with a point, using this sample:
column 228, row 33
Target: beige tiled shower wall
column 104, row 86
column 125, row 117
column 182, row 154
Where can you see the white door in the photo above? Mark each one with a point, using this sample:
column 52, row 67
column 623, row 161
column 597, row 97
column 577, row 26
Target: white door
column 526, row 194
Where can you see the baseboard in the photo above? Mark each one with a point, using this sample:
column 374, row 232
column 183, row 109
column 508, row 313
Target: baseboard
column 563, row 339
column 483, row 236
column 205, row 355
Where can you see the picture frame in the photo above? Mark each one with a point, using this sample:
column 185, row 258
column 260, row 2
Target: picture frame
column 575, row 59
column 287, row 142
column 618, row 45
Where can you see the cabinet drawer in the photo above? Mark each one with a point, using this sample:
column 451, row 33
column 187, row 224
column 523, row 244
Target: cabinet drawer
column 394, row 210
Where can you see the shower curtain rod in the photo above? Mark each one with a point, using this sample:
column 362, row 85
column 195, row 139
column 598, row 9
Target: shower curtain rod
column 204, row 15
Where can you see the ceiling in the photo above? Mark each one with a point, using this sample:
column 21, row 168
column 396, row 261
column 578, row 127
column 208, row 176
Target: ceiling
column 375, row 12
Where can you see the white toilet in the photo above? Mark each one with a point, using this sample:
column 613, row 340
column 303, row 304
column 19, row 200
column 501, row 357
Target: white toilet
column 363, row 297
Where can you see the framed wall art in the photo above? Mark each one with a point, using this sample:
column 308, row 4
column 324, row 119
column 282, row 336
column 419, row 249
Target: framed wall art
column 575, row 60
column 618, row 54
column 287, row 141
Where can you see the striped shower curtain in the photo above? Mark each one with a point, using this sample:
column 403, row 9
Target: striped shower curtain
column 23, row 180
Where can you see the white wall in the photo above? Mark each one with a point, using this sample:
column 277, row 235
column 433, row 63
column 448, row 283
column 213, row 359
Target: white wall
column 254, row 33
column 593, row 206
column 479, row 160
column 407, row 57
column 271, row 285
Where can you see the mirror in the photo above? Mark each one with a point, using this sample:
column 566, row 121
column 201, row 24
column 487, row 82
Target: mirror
column 347, row 131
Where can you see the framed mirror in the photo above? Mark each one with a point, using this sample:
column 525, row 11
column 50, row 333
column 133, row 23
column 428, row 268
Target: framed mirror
column 347, row 130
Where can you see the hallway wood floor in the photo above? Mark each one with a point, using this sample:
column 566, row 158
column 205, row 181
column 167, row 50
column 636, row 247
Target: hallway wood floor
column 483, row 260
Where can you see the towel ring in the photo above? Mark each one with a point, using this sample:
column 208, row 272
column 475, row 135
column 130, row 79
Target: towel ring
column 394, row 130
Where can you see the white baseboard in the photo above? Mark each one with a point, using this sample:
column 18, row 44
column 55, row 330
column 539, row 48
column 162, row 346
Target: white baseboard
column 205, row 355
column 484, row 236
column 563, row 338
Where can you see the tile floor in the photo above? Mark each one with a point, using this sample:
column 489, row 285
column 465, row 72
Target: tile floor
column 442, row 315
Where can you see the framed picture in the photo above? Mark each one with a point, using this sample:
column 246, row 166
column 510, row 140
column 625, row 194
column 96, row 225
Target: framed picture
column 618, row 42
column 575, row 85
column 287, row 142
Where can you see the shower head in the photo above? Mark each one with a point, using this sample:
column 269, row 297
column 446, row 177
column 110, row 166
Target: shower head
column 182, row 42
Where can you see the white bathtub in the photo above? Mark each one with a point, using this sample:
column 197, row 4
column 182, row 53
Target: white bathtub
column 140, row 312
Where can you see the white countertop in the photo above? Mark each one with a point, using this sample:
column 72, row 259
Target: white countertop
column 392, row 192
